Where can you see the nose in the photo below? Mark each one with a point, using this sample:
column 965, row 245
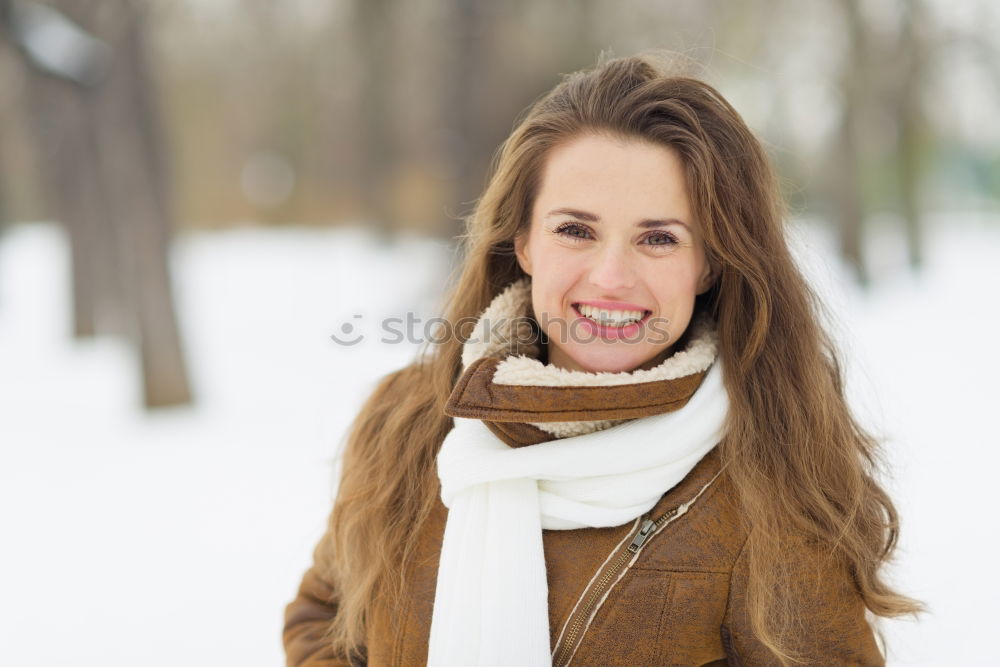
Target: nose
column 613, row 269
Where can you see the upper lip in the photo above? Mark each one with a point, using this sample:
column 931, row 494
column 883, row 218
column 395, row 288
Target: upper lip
column 612, row 305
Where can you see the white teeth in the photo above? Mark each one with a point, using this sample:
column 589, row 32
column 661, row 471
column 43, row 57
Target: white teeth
column 612, row 317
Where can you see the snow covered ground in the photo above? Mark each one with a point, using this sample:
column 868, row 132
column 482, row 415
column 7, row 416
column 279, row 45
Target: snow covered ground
column 176, row 538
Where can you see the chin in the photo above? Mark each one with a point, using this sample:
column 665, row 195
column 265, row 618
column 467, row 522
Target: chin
column 595, row 361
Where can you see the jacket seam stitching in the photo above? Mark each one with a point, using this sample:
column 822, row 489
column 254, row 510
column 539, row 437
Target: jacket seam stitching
column 667, row 599
column 397, row 649
column 727, row 644
column 730, row 651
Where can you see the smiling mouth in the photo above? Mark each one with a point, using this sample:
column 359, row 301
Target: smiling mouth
column 616, row 319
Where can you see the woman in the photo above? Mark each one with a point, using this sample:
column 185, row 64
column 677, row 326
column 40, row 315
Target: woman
column 641, row 452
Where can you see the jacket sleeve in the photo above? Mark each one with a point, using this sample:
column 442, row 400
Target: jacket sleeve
column 832, row 629
column 309, row 614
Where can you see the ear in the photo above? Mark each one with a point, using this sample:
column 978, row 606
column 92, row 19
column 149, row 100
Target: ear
column 521, row 250
column 707, row 277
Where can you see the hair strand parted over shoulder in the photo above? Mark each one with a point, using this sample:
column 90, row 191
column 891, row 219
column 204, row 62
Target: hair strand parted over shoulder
column 803, row 467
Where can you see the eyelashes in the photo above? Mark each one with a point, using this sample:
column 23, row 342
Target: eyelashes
column 665, row 239
column 578, row 233
column 572, row 231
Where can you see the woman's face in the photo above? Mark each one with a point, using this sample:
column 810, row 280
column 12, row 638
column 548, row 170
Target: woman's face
column 613, row 252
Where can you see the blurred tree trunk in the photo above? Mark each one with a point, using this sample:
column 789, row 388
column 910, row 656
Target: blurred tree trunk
column 582, row 46
column 65, row 130
column 466, row 80
column 101, row 157
column 375, row 27
column 915, row 54
column 847, row 159
column 62, row 120
column 132, row 160
column 4, row 215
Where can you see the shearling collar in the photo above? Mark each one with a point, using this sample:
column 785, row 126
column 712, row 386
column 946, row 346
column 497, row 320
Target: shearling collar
column 525, row 401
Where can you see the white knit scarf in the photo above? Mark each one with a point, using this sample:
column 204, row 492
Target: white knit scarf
column 491, row 603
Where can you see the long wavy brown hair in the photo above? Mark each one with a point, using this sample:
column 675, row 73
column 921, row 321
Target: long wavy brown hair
column 797, row 457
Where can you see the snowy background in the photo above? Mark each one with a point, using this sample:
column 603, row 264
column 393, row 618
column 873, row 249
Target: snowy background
column 176, row 538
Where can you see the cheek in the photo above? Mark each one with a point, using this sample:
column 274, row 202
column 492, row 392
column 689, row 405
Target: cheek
column 557, row 270
column 557, row 279
column 552, row 293
column 674, row 285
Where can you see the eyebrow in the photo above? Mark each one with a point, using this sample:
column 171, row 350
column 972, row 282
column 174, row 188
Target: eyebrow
column 590, row 217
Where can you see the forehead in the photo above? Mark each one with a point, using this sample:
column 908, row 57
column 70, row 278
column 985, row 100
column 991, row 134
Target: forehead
column 619, row 177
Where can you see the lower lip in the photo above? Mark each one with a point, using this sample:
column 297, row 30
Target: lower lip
column 592, row 328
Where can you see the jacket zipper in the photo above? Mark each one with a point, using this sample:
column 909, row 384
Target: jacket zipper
column 566, row 646
column 564, row 650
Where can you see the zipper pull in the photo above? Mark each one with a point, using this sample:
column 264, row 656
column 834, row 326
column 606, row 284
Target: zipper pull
column 640, row 538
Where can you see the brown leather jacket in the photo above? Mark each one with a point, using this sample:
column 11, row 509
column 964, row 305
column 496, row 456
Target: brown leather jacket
column 666, row 589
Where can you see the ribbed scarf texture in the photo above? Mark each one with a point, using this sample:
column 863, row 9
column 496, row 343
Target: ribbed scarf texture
column 491, row 602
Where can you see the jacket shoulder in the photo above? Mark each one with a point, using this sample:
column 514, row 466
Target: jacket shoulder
column 709, row 535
